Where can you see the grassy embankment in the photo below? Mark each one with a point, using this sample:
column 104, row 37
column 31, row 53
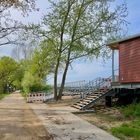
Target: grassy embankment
column 2, row 95
column 123, row 122
column 130, row 130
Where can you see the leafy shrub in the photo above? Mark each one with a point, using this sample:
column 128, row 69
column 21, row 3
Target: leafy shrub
column 2, row 95
column 27, row 81
column 40, row 87
column 132, row 110
column 32, row 83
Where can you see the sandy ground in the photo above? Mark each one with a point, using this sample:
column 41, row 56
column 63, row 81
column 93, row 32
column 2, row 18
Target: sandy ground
column 64, row 125
column 22, row 121
column 101, row 121
column 18, row 121
column 105, row 118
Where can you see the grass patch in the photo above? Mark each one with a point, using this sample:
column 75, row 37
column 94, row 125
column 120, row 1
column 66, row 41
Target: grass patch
column 131, row 111
column 127, row 131
column 123, row 122
column 2, row 95
column 131, row 130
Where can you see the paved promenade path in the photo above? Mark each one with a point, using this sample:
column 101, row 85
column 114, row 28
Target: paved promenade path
column 18, row 121
column 63, row 125
column 22, row 121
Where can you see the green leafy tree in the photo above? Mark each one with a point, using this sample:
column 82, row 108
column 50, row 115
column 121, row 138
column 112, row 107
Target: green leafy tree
column 38, row 68
column 27, row 81
column 81, row 29
column 43, row 60
column 9, row 69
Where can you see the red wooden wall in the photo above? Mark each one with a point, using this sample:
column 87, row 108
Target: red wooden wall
column 129, row 61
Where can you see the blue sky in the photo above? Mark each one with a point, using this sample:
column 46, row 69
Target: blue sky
column 88, row 70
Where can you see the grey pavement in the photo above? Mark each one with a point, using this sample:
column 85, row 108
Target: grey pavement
column 63, row 125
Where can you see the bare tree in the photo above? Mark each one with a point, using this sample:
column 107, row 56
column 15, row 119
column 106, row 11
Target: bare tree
column 9, row 27
column 25, row 46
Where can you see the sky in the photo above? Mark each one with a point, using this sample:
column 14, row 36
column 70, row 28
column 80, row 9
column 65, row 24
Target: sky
column 83, row 70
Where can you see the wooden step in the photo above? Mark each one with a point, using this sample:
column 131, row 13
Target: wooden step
column 95, row 96
column 91, row 98
column 77, row 107
column 104, row 90
column 79, row 104
column 88, row 100
column 98, row 92
column 84, row 102
column 101, row 93
column 81, row 101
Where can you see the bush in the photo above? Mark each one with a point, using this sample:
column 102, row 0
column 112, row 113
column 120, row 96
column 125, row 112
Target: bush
column 27, row 81
column 132, row 129
column 3, row 95
column 32, row 83
column 132, row 110
column 40, row 87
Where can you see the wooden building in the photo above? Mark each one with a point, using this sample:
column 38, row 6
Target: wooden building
column 129, row 61
column 126, row 88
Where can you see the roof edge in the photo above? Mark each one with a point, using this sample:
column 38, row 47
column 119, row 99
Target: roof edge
column 114, row 44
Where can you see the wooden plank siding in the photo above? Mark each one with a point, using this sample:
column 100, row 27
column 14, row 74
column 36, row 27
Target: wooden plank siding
column 129, row 61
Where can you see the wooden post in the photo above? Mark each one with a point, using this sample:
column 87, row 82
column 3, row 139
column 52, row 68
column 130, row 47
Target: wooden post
column 108, row 101
column 113, row 75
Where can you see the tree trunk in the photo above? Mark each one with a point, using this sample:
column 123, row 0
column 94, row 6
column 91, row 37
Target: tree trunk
column 55, row 86
column 63, row 81
column 69, row 53
column 5, row 89
column 65, row 74
column 55, row 78
column 60, row 49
